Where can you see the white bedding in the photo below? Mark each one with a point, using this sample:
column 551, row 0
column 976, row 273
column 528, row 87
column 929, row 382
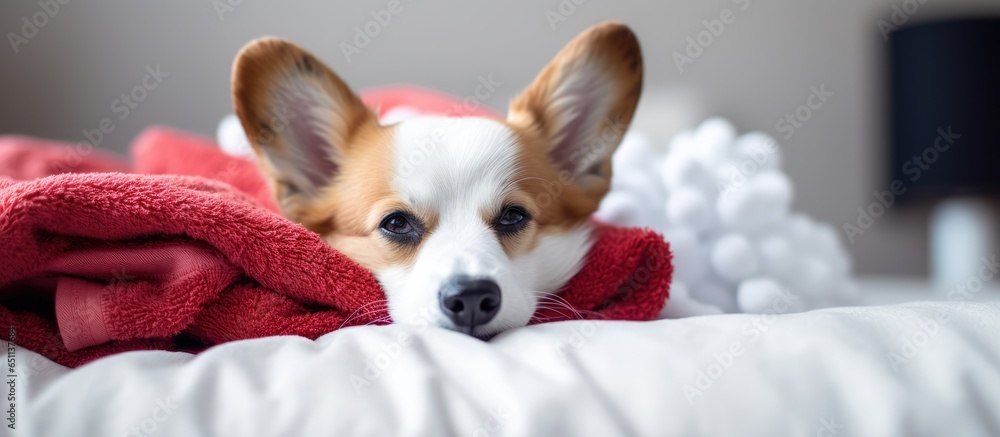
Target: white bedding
column 827, row 372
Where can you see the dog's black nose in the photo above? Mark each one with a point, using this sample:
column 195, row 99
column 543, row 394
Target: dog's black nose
column 470, row 302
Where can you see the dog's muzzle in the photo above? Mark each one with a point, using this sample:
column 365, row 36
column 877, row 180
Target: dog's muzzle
column 469, row 303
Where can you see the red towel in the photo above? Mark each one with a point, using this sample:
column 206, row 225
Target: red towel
column 143, row 261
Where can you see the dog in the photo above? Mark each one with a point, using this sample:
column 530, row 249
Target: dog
column 495, row 217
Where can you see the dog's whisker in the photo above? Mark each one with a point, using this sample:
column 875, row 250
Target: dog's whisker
column 362, row 307
column 556, row 310
column 559, row 300
column 355, row 313
column 377, row 321
column 369, row 313
column 561, row 304
column 552, row 304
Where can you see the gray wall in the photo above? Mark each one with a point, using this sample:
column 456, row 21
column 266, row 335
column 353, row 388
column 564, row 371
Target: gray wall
column 65, row 79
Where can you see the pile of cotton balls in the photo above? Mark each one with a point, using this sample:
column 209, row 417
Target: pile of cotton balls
column 723, row 203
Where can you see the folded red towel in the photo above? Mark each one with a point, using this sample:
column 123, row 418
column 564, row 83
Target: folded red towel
column 140, row 261
column 28, row 158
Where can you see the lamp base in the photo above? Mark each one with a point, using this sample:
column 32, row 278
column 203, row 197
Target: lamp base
column 963, row 242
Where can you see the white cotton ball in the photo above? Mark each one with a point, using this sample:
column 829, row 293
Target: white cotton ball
column 726, row 204
column 687, row 307
column 758, row 295
column 812, row 278
column 757, row 151
column 735, row 208
column 840, row 263
column 658, row 221
column 688, row 207
column 621, row 208
column 800, row 230
column 739, row 210
column 761, row 201
column 681, row 304
column 231, row 137
column 775, row 190
column 690, row 261
column 678, row 170
column 716, row 294
column 682, row 143
column 776, row 254
column 714, row 137
column 826, row 239
column 828, row 246
column 733, row 258
column 633, row 152
column 764, row 200
column 716, row 128
column 642, row 183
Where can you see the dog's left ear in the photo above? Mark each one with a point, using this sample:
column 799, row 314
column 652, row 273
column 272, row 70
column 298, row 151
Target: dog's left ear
column 582, row 102
column 299, row 117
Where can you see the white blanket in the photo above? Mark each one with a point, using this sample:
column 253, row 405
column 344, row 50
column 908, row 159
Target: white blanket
column 917, row 369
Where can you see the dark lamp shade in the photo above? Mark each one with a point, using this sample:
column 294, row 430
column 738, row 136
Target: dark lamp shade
column 946, row 74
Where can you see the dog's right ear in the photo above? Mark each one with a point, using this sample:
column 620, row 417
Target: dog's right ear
column 299, row 117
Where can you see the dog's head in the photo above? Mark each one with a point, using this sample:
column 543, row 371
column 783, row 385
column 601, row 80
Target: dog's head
column 466, row 222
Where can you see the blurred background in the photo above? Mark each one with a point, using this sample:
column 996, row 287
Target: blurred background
column 62, row 77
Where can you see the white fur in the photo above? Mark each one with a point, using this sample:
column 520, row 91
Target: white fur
column 457, row 169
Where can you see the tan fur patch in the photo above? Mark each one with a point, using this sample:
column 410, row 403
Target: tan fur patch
column 563, row 200
column 349, row 211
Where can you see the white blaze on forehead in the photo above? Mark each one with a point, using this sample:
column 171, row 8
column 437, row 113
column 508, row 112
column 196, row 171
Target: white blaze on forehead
column 454, row 164
column 456, row 170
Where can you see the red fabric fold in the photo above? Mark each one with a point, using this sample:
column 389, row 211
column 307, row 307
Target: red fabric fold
column 191, row 253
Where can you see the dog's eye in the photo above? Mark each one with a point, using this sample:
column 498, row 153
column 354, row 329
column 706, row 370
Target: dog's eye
column 397, row 224
column 401, row 228
column 511, row 217
column 511, row 220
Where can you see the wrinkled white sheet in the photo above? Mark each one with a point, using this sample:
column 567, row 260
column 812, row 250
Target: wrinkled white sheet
column 899, row 370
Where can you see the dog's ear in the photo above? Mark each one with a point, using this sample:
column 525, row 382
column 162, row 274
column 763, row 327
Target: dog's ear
column 582, row 102
column 299, row 117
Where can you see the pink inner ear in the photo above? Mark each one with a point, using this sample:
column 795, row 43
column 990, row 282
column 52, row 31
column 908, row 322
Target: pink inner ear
column 579, row 104
column 312, row 151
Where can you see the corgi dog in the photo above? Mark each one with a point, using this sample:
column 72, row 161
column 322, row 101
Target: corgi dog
column 491, row 222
